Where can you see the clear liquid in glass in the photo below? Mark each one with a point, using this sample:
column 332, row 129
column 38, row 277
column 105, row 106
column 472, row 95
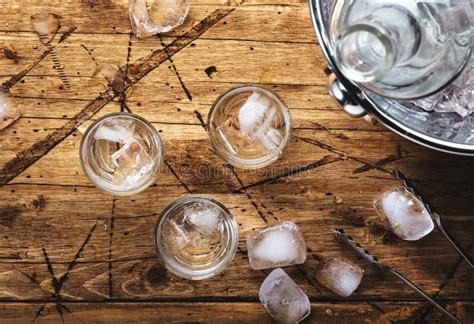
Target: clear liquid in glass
column 122, row 153
column 196, row 237
column 249, row 126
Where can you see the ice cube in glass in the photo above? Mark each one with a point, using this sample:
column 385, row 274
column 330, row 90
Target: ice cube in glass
column 404, row 214
column 340, row 276
column 121, row 153
column 278, row 245
column 196, row 237
column 249, row 126
column 283, row 299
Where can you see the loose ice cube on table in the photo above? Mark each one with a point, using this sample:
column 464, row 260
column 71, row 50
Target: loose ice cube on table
column 283, row 299
column 149, row 18
column 404, row 213
column 46, row 25
column 276, row 246
column 340, row 276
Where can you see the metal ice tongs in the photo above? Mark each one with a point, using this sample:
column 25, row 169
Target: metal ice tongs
column 435, row 216
column 341, row 235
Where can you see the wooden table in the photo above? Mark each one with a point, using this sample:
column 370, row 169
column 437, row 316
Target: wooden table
column 70, row 251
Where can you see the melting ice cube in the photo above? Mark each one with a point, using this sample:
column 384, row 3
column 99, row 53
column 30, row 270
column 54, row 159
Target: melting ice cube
column 9, row 111
column 231, row 136
column 457, row 97
column 340, row 276
column 163, row 16
column 116, row 79
column 404, row 214
column 256, row 116
column 174, row 236
column 272, row 140
column 276, row 246
column 201, row 224
column 253, row 123
column 46, row 25
column 118, row 130
column 132, row 161
column 283, row 299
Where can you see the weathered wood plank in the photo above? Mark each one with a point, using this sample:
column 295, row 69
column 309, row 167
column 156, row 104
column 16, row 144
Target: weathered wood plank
column 268, row 21
column 58, row 244
column 222, row 312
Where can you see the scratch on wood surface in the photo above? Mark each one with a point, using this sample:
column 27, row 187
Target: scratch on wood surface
column 111, row 234
column 425, row 310
column 173, row 66
column 314, row 165
column 252, row 201
column 123, row 93
column 343, row 154
column 16, row 78
column 201, row 120
column 170, row 167
column 308, row 279
column 58, row 283
column 389, row 159
column 137, row 71
column 65, row 35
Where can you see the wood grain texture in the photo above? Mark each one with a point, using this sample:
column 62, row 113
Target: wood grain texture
column 69, row 251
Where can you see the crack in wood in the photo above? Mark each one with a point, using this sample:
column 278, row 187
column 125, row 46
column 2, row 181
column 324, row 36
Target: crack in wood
column 173, row 66
column 376, row 307
column 16, row 78
column 252, row 201
column 426, row 310
column 170, row 167
column 111, row 234
column 58, row 284
column 201, row 120
column 308, row 279
column 123, row 94
column 314, row 165
column 389, row 159
column 67, row 34
column 341, row 153
column 137, row 71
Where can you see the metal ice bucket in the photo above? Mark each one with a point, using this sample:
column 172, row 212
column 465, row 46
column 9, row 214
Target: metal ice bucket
column 412, row 123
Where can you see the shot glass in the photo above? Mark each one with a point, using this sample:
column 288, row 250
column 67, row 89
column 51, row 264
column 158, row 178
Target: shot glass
column 196, row 237
column 249, row 126
column 121, row 153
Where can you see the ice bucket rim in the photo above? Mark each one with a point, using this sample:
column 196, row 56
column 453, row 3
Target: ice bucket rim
column 369, row 105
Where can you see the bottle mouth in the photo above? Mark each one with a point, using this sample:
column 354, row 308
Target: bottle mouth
column 365, row 52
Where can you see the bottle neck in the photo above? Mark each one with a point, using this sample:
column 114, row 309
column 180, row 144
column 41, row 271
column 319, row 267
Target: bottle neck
column 368, row 49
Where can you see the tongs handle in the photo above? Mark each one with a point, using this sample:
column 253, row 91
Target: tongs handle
column 451, row 240
column 424, row 295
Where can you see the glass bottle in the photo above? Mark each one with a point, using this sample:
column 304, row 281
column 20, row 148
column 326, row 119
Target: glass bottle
column 402, row 49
